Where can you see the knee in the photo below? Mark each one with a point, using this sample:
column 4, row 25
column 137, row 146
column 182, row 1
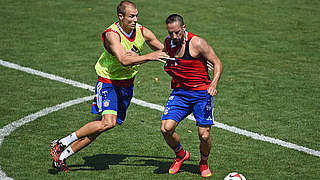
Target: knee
column 107, row 123
column 204, row 137
column 168, row 127
column 106, row 126
column 93, row 137
column 166, row 130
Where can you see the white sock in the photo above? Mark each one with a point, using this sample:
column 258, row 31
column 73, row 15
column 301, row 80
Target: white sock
column 69, row 139
column 66, row 153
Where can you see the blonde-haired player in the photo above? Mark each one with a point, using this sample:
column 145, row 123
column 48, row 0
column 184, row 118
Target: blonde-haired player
column 116, row 69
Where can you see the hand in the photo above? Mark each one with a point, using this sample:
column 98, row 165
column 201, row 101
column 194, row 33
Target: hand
column 157, row 56
column 212, row 90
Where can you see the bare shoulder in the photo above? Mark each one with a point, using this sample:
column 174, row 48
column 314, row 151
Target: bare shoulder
column 146, row 30
column 111, row 37
column 198, row 42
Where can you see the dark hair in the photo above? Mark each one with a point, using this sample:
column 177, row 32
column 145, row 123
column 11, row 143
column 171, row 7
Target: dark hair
column 122, row 6
column 175, row 18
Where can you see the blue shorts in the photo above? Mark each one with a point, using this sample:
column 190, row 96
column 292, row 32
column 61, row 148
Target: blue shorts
column 110, row 99
column 183, row 102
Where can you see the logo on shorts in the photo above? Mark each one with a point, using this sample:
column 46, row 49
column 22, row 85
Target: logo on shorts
column 171, row 98
column 165, row 112
column 106, row 103
column 104, row 92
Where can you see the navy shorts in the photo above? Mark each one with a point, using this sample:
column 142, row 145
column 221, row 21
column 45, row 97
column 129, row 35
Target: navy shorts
column 110, row 99
column 183, row 102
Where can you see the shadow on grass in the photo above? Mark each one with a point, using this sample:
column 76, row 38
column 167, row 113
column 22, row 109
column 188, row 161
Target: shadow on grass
column 103, row 161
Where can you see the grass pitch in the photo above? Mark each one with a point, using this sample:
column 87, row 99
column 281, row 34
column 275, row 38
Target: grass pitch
column 270, row 85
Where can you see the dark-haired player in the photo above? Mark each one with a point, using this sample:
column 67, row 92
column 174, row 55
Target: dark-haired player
column 193, row 90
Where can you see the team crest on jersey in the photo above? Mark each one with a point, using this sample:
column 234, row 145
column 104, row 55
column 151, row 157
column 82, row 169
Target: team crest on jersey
column 106, row 103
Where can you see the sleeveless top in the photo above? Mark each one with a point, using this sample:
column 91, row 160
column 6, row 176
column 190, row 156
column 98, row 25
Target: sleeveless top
column 187, row 72
column 108, row 65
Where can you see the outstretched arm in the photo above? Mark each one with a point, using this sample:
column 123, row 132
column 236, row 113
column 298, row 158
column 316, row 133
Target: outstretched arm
column 113, row 44
column 207, row 52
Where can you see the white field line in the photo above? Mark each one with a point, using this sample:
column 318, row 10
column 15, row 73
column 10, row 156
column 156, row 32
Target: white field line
column 8, row 129
column 161, row 108
column 239, row 131
column 46, row 75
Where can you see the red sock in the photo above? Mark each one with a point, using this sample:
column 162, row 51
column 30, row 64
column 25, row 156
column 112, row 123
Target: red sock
column 203, row 161
column 181, row 153
column 204, row 158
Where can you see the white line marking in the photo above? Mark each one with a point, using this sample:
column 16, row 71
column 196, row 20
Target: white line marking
column 239, row 131
column 7, row 129
column 46, row 75
column 3, row 176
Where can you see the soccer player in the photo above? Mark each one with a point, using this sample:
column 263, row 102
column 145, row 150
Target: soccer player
column 116, row 69
column 193, row 91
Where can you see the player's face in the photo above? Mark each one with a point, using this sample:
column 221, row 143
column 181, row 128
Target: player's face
column 130, row 18
column 176, row 32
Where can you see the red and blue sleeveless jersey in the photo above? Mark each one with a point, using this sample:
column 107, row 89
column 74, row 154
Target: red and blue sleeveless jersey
column 187, row 72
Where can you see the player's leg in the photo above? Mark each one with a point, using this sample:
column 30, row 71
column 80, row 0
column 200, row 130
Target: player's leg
column 110, row 118
column 95, row 128
column 173, row 140
column 168, row 131
column 89, row 132
column 105, row 102
column 205, row 139
column 124, row 96
column 76, row 146
column 205, row 146
column 204, row 115
column 85, row 135
column 176, row 110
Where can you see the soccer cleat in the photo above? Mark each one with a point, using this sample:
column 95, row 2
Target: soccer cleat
column 61, row 165
column 56, row 149
column 204, row 169
column 175, row 167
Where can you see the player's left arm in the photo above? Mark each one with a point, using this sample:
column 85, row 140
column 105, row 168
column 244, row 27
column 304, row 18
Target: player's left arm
column 151, row 40
column 207, row 52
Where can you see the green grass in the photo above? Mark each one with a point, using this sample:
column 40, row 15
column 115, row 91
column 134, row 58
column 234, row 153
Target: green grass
column 270, row 85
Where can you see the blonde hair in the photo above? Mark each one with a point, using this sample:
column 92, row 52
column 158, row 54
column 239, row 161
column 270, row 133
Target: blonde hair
column 123, row 5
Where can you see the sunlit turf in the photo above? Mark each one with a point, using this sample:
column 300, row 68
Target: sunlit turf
column 270, row 85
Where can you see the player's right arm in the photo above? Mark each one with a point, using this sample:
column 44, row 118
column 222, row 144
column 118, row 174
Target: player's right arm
column 112, row 43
